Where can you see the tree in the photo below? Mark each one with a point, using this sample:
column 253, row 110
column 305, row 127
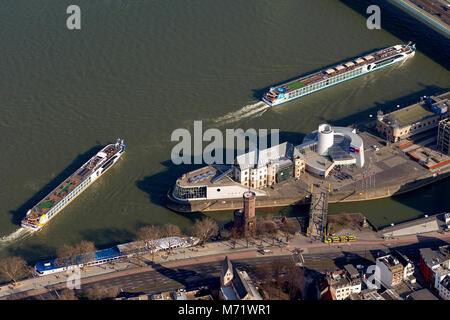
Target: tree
column 66, row 255
column 204, row 229
column 294, row 281
column 86, row 249
column 14, row 268
column 67, row 294
column 264, row 274
column 261, row 229
column 170, row 231
column 98, row 293
column 150, row 235
column 234, row 235
column 271, row 229
column 288, row 228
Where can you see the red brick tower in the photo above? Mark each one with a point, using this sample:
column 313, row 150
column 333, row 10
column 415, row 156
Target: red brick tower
column 249, row 213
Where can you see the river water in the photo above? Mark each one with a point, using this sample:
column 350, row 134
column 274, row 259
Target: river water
column 141, row 69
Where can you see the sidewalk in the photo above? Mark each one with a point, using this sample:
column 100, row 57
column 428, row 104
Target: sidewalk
column 215, row 251
column 33, row 286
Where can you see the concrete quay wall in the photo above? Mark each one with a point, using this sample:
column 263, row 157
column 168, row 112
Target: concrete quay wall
column 283, row 201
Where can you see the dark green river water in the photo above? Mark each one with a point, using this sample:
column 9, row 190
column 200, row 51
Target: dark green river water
column 141, row 69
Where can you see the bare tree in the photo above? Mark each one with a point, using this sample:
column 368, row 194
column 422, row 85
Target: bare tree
column 264, row 275
column 86, row 250
column 294, row 281
column 234, row 235
column 14, row 268
column 150, row 235
column 288, row 228
column 271, row 229
column 204, row 229
column 170, row 231
column 67, row 294
column 261, row 230
column 65, row 255
column 97, row 292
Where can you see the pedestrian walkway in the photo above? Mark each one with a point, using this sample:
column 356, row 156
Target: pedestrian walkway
column 215, row 251
column 178, row 256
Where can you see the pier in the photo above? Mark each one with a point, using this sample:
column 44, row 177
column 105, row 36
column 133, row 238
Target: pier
column 390, row 168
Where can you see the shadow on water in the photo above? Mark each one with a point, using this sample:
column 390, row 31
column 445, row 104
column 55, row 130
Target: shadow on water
column 107, row 237
column 258, row 93
column 406, row 27
column 18, row 214
column 388, row 106
column 33, row 253
column 400, row 24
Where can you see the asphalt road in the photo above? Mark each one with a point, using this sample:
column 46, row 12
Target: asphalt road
column 207, row 274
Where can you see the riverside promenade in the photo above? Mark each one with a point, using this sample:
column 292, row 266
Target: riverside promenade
column 215, row 251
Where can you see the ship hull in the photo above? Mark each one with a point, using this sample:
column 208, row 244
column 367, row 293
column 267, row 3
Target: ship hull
column 92, row 178
column 365, row 71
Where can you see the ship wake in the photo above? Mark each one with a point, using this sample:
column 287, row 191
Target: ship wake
column 248, row 111
column 19, row 234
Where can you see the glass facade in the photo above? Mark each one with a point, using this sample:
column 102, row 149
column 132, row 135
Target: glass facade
column 189, row 192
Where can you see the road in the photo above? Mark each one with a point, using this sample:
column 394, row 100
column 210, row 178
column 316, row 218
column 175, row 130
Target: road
column 191, row 275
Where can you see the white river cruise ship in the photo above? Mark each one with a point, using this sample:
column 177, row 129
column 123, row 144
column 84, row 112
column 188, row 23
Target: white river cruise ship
column 70, row 188
column 339, row 73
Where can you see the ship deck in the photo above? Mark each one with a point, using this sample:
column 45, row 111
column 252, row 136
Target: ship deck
column 65, row 187
column 328, row 73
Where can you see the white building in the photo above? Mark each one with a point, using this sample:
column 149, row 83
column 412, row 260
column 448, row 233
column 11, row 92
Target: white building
column 343, row 283
column 391, row 271
column 263, row 168
column 408, row 266
column 444, row 288
column 329, row 147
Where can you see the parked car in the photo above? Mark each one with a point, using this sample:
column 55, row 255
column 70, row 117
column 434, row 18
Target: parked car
column 264, row 251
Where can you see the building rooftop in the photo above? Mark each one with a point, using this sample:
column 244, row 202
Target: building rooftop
column 226, row 266
column 409, row 115
column 404, row 260
column 434, row 258
column 423, row 294
column 351, row 270
column 390, row 294
column 391, row 262
column 261, row 158
column 228, row 293
column 206, row 176
column 371, row 294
